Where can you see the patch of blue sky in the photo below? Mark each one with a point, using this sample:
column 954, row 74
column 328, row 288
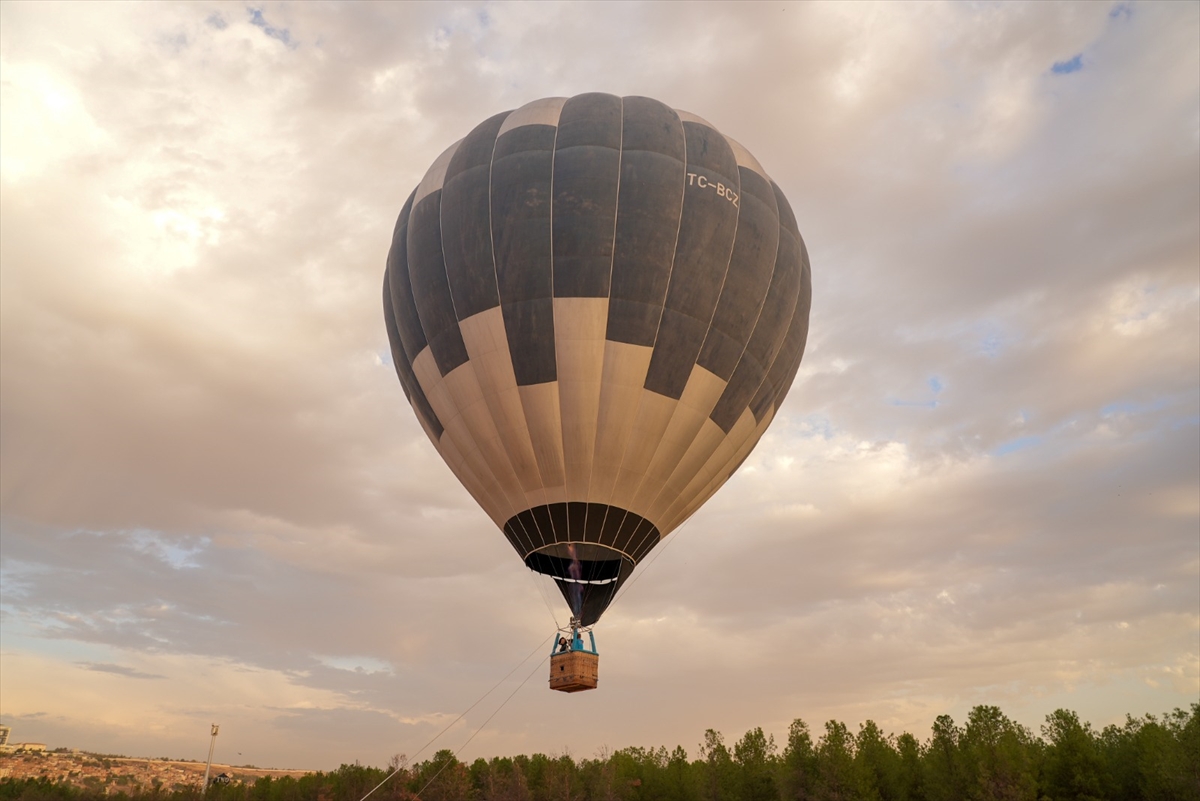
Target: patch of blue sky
column 991, row 345
column 202, row 618
column 1121, row 11
column 1132, row 407
column 282, row 34
column 935, row 384
column 14, row 569
column 179, row 555
column 1018, row 444
column 929, row 404
column 215, row 20
column 385, row 357
column 814, row 426
column 1073, row 64
column 1158, row 417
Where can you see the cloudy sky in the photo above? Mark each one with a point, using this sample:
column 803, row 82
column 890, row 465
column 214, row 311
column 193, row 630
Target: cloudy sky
column 217, row 506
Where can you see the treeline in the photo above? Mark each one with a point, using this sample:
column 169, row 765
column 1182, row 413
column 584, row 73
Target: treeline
column 988, row 758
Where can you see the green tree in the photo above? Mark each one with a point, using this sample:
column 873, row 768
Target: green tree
column 798, row 765
column 1155, row 760
column 876, row 763
column 503, row 780
column 534, row 767
column 560, row 780
column 599, row 777
column 943, row 774
column 442, row 778
column 351, row 782
column 837, row 779
column 681, row 777
column 1072, row 769
column 720, row 781
column 999, row 754
column 755, row 757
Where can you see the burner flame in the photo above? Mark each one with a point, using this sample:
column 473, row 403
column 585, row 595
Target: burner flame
column 576, row 571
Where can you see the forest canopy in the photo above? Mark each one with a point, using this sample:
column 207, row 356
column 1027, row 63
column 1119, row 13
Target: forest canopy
column 987, row 757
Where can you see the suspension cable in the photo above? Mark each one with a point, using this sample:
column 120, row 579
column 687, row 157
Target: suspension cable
column 396, row 770
column 486, row 722
column 541, row 588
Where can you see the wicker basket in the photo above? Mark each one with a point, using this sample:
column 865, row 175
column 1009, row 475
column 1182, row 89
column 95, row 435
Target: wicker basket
column 574, row 671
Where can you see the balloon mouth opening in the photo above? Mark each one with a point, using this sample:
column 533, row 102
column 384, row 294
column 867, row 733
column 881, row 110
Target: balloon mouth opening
column 578, row 563
column 588, row 575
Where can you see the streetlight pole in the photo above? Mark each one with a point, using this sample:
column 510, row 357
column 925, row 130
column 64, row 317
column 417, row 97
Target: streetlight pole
column 212, row 744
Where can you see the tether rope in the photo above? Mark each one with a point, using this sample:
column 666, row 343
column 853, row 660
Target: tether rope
column 524, row 681
column 396, row 770
column 541, row 588
column 489, row 719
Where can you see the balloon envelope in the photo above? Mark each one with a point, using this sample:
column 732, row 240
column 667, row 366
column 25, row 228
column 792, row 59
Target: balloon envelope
column 595, row 306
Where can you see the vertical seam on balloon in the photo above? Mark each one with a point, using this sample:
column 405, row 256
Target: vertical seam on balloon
column 741, row 355
column 407, row 264
column 445, row 269
column 517, row 502
column 678, row 227
column 465, row 466
column 785, row 386
column 753, row 331
column 730, row 464
column 500, row 299
column 675, row 506
column 721, row 291
column 445, row 423
column 503, row 491
column 396, row 314
column 795, row 308
column 412, row 296
column 611, row 260
column 799, row 292
column 716, row 482
column 428, row 340
column 670, row 272
column 554, row 333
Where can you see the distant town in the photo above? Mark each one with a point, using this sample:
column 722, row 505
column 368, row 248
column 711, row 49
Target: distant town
column 109, row 773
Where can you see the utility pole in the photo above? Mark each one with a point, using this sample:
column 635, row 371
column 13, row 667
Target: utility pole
column 212, row 744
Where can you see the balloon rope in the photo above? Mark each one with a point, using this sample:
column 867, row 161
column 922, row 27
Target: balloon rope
column 396, row 770
column 489, row 720
column 541, row 588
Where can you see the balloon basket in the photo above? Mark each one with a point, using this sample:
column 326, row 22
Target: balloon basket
column 574, row 667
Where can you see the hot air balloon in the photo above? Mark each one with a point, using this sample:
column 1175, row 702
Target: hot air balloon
column 595, row 307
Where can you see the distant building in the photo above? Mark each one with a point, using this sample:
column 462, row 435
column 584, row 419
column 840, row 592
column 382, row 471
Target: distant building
column 4, row 732
column 29, row 746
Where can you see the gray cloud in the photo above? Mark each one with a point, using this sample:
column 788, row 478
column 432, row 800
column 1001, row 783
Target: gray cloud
column 120, row 670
